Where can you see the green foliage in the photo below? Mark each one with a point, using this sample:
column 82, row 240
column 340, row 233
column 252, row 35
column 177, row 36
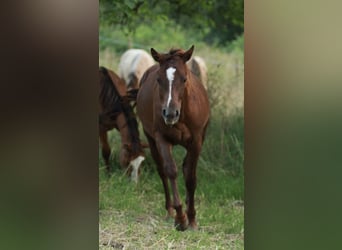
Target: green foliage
column 224, row 145
column 146, row 36
column 216, row 21
column 157, row 35
column 121, row 13
column 227, row 17
column 237, row 45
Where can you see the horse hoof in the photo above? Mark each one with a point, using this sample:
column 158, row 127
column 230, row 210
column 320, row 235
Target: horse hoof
column 181, row 224
column 181, row 227
column 193, row 226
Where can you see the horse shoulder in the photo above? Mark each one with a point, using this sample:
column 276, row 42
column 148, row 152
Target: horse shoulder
column 149, row 75
column 197, row 107
column 145, row 99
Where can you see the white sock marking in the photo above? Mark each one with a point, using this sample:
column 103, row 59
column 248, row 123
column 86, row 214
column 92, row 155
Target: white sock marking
column 135, row 167
column 170, row 73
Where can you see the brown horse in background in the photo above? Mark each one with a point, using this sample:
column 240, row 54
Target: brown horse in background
column 173, row 107
column 116, row 112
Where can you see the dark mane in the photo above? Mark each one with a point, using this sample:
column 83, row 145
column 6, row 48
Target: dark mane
column 109, row 97
column 132, row 127
column 113, row 104
column 173, row 52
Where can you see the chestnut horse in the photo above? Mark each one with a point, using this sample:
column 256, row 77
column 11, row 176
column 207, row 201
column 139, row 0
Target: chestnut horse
column 173, row 107
column 116, row 112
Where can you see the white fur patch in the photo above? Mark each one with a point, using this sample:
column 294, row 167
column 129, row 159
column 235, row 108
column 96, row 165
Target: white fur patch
column 135, row 167
column 170, row 73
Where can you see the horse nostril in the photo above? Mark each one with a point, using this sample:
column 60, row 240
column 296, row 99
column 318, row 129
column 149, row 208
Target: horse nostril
column 177, row 113
column 164, row 112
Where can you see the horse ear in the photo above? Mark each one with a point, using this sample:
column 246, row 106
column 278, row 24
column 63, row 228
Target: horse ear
column 187, row 55
column 155, row 54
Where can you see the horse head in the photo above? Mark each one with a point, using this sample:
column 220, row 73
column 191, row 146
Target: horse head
column 172, row 79
column 131, row 157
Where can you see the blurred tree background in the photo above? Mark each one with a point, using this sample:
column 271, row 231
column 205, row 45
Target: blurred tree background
column 215, row 22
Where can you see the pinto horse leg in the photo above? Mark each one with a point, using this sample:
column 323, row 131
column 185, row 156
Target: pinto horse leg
column 170, row 168
column 157, row 158
column 105, row 148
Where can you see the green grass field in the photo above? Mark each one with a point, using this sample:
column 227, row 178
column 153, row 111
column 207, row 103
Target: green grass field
column 133, row 216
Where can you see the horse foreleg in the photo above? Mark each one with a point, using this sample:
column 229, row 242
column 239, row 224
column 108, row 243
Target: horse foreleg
column 105, row 148
column 170, row 168
column 157, row 158
column 189, row 171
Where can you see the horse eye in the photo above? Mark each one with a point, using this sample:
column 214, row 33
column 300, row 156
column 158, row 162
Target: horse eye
column 158, row 80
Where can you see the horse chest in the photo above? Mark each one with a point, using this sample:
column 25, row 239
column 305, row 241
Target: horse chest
column 177, row 134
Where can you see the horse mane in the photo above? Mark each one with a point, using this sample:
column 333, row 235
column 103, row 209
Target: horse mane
column 110, row 98
column 176, row 51
column 132, row 127
column 173, row 52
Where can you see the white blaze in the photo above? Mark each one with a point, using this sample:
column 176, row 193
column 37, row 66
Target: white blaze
column 170, row 73
column 135, row 167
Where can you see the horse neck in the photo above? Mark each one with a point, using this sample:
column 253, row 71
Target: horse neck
column 122, row 127
column 129, row 132
column 188, row 89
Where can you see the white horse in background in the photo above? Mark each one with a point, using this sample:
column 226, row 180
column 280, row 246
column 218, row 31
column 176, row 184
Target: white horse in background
column 132, row 66
column 199, row 68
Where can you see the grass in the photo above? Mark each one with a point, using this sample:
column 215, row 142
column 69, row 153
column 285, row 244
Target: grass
column 133, row 216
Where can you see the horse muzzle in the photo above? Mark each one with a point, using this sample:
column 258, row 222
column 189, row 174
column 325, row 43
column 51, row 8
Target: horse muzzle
column 170, row 116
